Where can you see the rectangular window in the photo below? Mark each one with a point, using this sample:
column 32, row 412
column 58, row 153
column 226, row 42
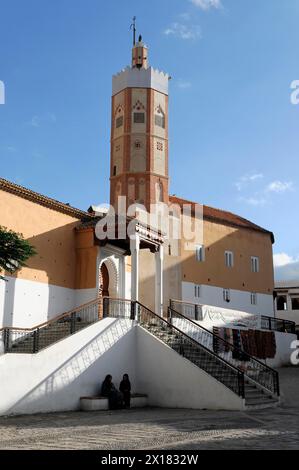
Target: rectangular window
column 229, row 259
column 200, row 253
column 119, row 121
column 253, row 298
column 255, row 264
column 281, row 302
column 139, row 118
column 160, row 121
column 197, row 291
column 226, row 295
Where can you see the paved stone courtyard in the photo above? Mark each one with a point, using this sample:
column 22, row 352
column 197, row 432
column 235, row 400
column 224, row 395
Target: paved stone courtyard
column 153, row 428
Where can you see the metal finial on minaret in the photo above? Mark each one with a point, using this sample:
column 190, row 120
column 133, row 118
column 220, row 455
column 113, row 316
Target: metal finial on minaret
column 140, row 51
column 133, row 27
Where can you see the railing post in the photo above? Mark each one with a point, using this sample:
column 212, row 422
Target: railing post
column 196, row 312
column 35, row 341
column 169, row 315
column 105, row 307
column 6, row 340
column 276, row 386
column 134, row 310
column 73, row 323
column 241, row 385
column 270, row 323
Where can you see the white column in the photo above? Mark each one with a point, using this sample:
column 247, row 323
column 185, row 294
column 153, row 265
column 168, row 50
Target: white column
column 122, row 277
column 289, row 303
column 159, row 257
column 134, row 246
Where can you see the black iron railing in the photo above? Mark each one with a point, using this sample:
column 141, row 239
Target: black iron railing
column 207, row 360
column 278, row 324
column 253, row 369
column 226, row 363
column 194, row 312
column 33, row 340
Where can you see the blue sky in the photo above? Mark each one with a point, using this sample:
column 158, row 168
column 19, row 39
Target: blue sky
column 233, row 130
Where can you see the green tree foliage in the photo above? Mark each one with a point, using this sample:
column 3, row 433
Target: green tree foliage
column 14, row 251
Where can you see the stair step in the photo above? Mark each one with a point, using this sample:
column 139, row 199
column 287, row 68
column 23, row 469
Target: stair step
column 260, row 400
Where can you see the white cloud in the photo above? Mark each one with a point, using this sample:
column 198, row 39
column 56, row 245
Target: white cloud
column 280, row 187
column 286, row 267
column 184, row 84
column 35, row 121
column 263, row 195
column 282, row 259
column 207, row 4
column 183, row 31
column 247, row 179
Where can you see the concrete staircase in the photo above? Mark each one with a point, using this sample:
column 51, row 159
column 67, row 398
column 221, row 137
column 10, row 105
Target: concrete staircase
column 256, row 398
column 46, row 336
column 251, row 380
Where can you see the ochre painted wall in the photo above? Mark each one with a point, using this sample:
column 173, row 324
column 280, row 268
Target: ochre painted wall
column 244, row 243
column 50, row 232
column 87, row 253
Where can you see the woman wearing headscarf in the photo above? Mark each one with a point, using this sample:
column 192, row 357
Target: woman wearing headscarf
column 125, row 388
column 108, row 390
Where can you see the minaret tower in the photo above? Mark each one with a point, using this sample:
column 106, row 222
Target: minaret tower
column 139, row 132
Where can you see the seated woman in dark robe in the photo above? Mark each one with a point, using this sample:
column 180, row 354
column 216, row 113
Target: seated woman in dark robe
column 108, row 390
column 125, row 388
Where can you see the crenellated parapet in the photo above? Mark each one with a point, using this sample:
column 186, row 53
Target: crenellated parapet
column 140, row 78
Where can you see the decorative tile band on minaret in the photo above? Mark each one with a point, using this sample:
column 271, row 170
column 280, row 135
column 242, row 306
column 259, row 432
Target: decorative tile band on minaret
column 139, row 132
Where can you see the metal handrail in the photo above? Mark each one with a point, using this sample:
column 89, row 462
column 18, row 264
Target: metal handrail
column 32, row 340
column 55, row 319
column 182, row 333
column 222, row 340
column 272, row 324
column 292, row 324
column 231, row 347
column 238, row 372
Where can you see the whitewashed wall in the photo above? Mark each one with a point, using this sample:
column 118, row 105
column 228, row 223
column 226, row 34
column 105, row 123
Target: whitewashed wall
column 283, row 350
column 26, row 303
column 240, row 300
column 83, row 296
column 55, row 378
column 174, row 382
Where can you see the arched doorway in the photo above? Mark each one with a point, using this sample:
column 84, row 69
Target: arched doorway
column 108, row 280
column 104, row 281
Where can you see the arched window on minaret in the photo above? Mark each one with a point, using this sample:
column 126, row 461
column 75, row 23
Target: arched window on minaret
column 139, row 114
column 118, row 191
column 159, row 192
column 119, row 117
column 160, row 117
column 131, row 191
column 142, row 191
